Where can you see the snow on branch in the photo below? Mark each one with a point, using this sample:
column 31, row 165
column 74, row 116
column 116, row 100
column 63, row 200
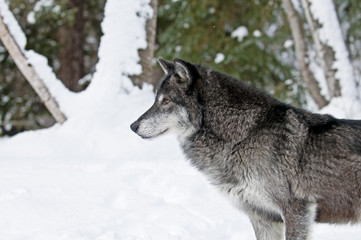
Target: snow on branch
column 124, row 28
column 349, row 103
column 29, row 63
column 302, row 54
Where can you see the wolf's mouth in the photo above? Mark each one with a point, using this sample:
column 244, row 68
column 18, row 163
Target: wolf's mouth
column 150, row 137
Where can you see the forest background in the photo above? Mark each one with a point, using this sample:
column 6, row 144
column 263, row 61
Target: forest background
column 253, row 41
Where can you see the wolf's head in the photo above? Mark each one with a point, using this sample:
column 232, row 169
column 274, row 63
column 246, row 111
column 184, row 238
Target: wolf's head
column 176, row 107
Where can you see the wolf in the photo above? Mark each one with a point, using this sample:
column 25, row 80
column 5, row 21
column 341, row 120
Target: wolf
column 283, row 166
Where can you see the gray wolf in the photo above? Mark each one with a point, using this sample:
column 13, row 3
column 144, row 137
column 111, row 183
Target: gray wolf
column 283, row 166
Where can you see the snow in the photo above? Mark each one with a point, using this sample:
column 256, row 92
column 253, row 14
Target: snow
column 31, row 17
column 93, row 179
column 219, row 58
column 42, row 3
column 178, row 48
column 297, row 5
column 240, row 33
column 123, row 54
column 257, row 33
column 319, row 74
column 39, row 5
column 288, row 43
column 12, row 24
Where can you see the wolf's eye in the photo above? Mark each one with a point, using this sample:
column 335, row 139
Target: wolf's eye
column 165, row 101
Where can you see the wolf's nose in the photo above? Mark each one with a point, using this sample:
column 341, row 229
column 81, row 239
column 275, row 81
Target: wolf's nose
column 134, row 126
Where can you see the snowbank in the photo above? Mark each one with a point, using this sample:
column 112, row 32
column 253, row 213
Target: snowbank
column 89, row 180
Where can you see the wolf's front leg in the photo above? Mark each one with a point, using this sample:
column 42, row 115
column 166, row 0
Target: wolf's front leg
column 266, row 227
column 298, row 216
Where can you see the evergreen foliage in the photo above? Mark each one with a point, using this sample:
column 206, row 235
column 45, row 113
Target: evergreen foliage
column 200, row 30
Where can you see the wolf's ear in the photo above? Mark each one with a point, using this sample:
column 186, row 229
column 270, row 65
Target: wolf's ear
column 182, row 68
column 166, row 65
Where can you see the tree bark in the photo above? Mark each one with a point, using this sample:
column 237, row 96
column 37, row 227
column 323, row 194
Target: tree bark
column 325, row 53
column 147, row 55
column 302, row 56
column 71, row 56
column 29, row 73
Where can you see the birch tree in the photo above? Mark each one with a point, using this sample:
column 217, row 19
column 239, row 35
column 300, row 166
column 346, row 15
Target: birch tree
column 302, row 54
column 343, row 98
column 330, row 38
column 325, row 53
column 29, row 72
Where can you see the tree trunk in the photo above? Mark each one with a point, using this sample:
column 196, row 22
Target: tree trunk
column 71, row 56
column 29, row 73
column 302, row 56
column 147, row 55
column 325, row 53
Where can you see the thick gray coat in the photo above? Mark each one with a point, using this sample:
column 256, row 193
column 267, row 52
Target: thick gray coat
column 282, row 165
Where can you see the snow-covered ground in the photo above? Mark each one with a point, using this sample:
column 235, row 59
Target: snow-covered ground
column 93, row 179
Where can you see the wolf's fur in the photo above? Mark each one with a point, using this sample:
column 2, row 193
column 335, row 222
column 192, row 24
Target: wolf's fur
column 283, row 166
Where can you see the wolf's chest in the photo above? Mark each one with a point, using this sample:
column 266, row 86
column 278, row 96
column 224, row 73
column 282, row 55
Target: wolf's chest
column 234, row 175
column 252, row 193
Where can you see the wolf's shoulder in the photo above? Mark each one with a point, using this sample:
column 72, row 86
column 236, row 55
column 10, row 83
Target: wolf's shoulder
column 223, row 87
